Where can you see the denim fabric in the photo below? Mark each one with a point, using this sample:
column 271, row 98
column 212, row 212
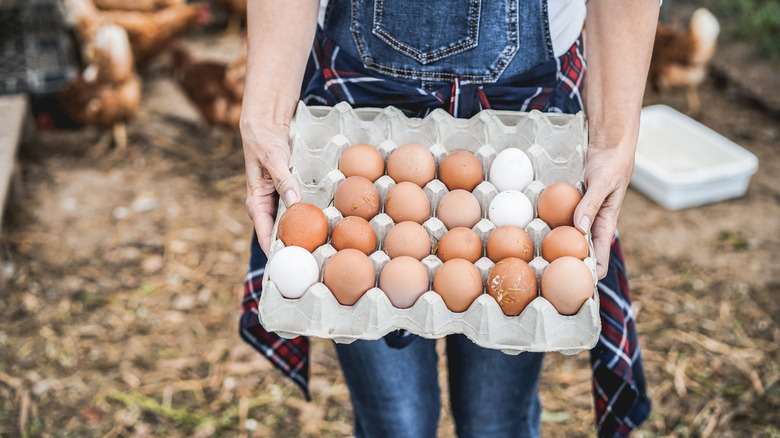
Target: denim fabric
column 425, row 43
column 395, row 392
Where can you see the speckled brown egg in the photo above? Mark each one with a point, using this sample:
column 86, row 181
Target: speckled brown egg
column 557, row 203
column 349, row 274
column 407, row 239
column 460, row 243
column 403, row 279
column 303, row 225
column 406, row 201
column 411, row 162
column 459, row 284
column 513, row 284
column 564, row 241
column 362, row 159
column 509, row 241
column 353, row 232
column 357, row 196
column 567, row 283
column 459, row 208
column 460, row 170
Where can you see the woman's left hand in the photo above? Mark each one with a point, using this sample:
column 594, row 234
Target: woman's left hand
column 607, row 175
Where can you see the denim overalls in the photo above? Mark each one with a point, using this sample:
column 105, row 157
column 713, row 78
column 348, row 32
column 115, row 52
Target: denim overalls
column 412, row 41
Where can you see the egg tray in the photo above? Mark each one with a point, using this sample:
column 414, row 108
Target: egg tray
column 556, row 145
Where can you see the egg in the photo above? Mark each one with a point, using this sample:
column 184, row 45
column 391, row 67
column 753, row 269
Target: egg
column 403, row 279
column 406, row 201
column 349, row 274
column 460, row 170
column 353, row 232
column 557, row 203
column 357, row 196
column 567, row 283
column 407, row 239
column 459, row 208
column 511, row 170
column 293, row 270
column 362, row 159
column 513, row 285
column 564, row 241
column 509, row 241
column 460, row 243
column 458, row 283
column 411, row 162
column 511, row 208
column 303, row 225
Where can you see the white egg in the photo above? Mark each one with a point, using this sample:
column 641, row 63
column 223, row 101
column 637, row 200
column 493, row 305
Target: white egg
column 511, row 170
column 293, row 270
column 511, row 207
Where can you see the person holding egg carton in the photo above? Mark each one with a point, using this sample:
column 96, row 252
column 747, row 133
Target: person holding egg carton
column 464, row 56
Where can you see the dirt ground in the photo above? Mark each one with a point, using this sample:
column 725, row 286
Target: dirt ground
column 124, row 269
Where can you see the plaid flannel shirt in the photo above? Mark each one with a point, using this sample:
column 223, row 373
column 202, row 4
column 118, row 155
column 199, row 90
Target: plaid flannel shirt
column 619, row 389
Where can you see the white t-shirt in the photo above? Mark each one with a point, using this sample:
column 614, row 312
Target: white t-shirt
column 566, row 18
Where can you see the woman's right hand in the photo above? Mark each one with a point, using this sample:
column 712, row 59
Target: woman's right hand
column 267, row 161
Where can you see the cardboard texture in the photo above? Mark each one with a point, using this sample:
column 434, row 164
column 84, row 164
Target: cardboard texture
column 556, row 145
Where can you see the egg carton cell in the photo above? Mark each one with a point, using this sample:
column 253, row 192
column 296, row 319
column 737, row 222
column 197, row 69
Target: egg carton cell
column 555, row 145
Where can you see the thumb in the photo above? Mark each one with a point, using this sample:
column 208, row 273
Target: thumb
column 284, row 182
column 587, row 209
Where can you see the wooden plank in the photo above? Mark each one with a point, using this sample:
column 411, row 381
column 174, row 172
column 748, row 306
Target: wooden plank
column 13, row 110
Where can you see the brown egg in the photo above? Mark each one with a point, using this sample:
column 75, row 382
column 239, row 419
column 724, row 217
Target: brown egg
column 406, row 201
column 460, row 243
column 354, row 232
column 509, row 241
column 557, row 203
column 407, row 239
column 362, row 160
column 513, row 284
column 303, row 225
column 459, row 284
column 460, row 170
column 564, row 241
column 567, row 283
column 459, row 208
column 403, row 279
column 357, row 196
column 411, row 162
column 348, row 275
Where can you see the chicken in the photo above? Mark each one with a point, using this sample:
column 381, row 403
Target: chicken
column 237, row 10
column 137, row 5
column 150, row 33
column 680, row 58
column 108, row 92
column 215, row 88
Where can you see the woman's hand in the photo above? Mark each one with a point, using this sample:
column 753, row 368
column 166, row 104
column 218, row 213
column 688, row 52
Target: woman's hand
column 607, row 175
column 267, row 161
column 279, row 38
column 618, row 44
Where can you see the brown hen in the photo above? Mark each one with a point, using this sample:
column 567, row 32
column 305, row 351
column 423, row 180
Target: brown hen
column 150, row 33
column 108, row 92
column 215, row 88
column 137, row 5
column 681, row 58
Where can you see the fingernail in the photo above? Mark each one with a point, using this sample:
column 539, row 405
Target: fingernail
column 290, row 198
column 584, row 224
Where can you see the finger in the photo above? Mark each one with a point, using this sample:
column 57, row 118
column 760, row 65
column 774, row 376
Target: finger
column 602, row 242
column 277, row 166
column 588, row 208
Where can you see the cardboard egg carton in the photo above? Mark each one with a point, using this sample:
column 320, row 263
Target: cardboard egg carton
column 556, row 145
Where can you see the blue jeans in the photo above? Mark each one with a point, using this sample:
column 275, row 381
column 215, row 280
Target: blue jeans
column 395, row 392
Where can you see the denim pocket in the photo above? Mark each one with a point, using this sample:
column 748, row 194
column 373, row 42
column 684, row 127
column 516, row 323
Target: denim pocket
column 419, row 29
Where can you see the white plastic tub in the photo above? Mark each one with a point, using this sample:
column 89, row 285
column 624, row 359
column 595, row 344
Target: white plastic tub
column 681, row 163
